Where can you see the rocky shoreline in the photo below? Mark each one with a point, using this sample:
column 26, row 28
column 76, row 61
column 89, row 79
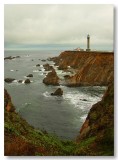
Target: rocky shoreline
column 91, row 68
column 96, row 137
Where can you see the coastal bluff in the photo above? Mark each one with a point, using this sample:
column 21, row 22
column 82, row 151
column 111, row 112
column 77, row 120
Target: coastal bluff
column 96, row 137
column 91, row 68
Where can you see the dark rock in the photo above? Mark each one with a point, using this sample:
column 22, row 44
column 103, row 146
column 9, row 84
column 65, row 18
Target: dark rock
column 47, row 67
column 10, row 57
column 58, row 92
column 27, row 81
column 17, row 57
column 49, row 59
column 67, row 76
column 9, row 80
column 30, row 75
column 20, row 81
column 38, row 65
column 51, row 78
column 83, row 99
column 43, row 60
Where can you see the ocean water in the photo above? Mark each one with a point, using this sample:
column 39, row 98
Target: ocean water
column 62, row 116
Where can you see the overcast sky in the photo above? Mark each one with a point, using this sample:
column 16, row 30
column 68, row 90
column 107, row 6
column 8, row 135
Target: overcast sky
column 40, row 25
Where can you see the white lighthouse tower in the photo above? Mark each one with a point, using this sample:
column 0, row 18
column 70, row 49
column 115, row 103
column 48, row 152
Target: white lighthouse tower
column 88, row 43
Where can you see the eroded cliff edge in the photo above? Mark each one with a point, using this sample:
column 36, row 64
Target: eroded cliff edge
column 97, row 132
column 96, row 136
column 90, row 68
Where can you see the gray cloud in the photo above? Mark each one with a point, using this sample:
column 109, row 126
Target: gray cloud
column 58, row 24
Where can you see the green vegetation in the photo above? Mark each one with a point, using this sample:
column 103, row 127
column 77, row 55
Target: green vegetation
column 44, row 143
column 22, row 139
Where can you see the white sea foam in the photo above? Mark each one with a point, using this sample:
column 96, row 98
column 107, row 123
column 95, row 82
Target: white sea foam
column 27, row 55
column 41, row 74
column 23, row 81
column 82, row 118
column 27, row 103
column 46, row 94
column 77, row 99
column 42, row 69
column 41, row 66
column 15, row 81
column 35, row 70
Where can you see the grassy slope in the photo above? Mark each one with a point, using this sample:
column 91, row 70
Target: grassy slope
column 22, row 139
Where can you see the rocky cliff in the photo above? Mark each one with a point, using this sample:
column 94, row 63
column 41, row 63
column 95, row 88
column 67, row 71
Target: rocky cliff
column 21, row 139
column 97, row 133
column 91, row 68
column 96, row 136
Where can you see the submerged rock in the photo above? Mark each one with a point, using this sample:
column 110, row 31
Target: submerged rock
column 43, row 60
column 27, row 81
column 20, row 81
column 9, row 80
column 17, row 57
column 30, row 75
column 51, row 78
column 38, row 65
column 49, row 59
column 58, row 92
column 83, row 99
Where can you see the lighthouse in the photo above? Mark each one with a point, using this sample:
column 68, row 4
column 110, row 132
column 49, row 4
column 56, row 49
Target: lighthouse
column 88, row 43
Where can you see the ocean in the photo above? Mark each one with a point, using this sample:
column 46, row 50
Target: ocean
column 61, row 116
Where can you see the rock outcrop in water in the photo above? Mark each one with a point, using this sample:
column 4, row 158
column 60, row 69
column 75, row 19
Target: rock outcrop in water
column 51, row 78
column 10, row 57
column 30, row 75
column 58, row 92
column 9, row 80
column 96, row 135
column 38, row 65
column 47, row 67
column 20, row 81
column 92, row 68
column 20, row 139
column 27, row 81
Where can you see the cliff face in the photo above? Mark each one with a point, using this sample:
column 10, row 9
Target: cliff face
column 9, row 107
column 96, row 135
column 21, row 139
column 92, row 68
column 97, row 132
